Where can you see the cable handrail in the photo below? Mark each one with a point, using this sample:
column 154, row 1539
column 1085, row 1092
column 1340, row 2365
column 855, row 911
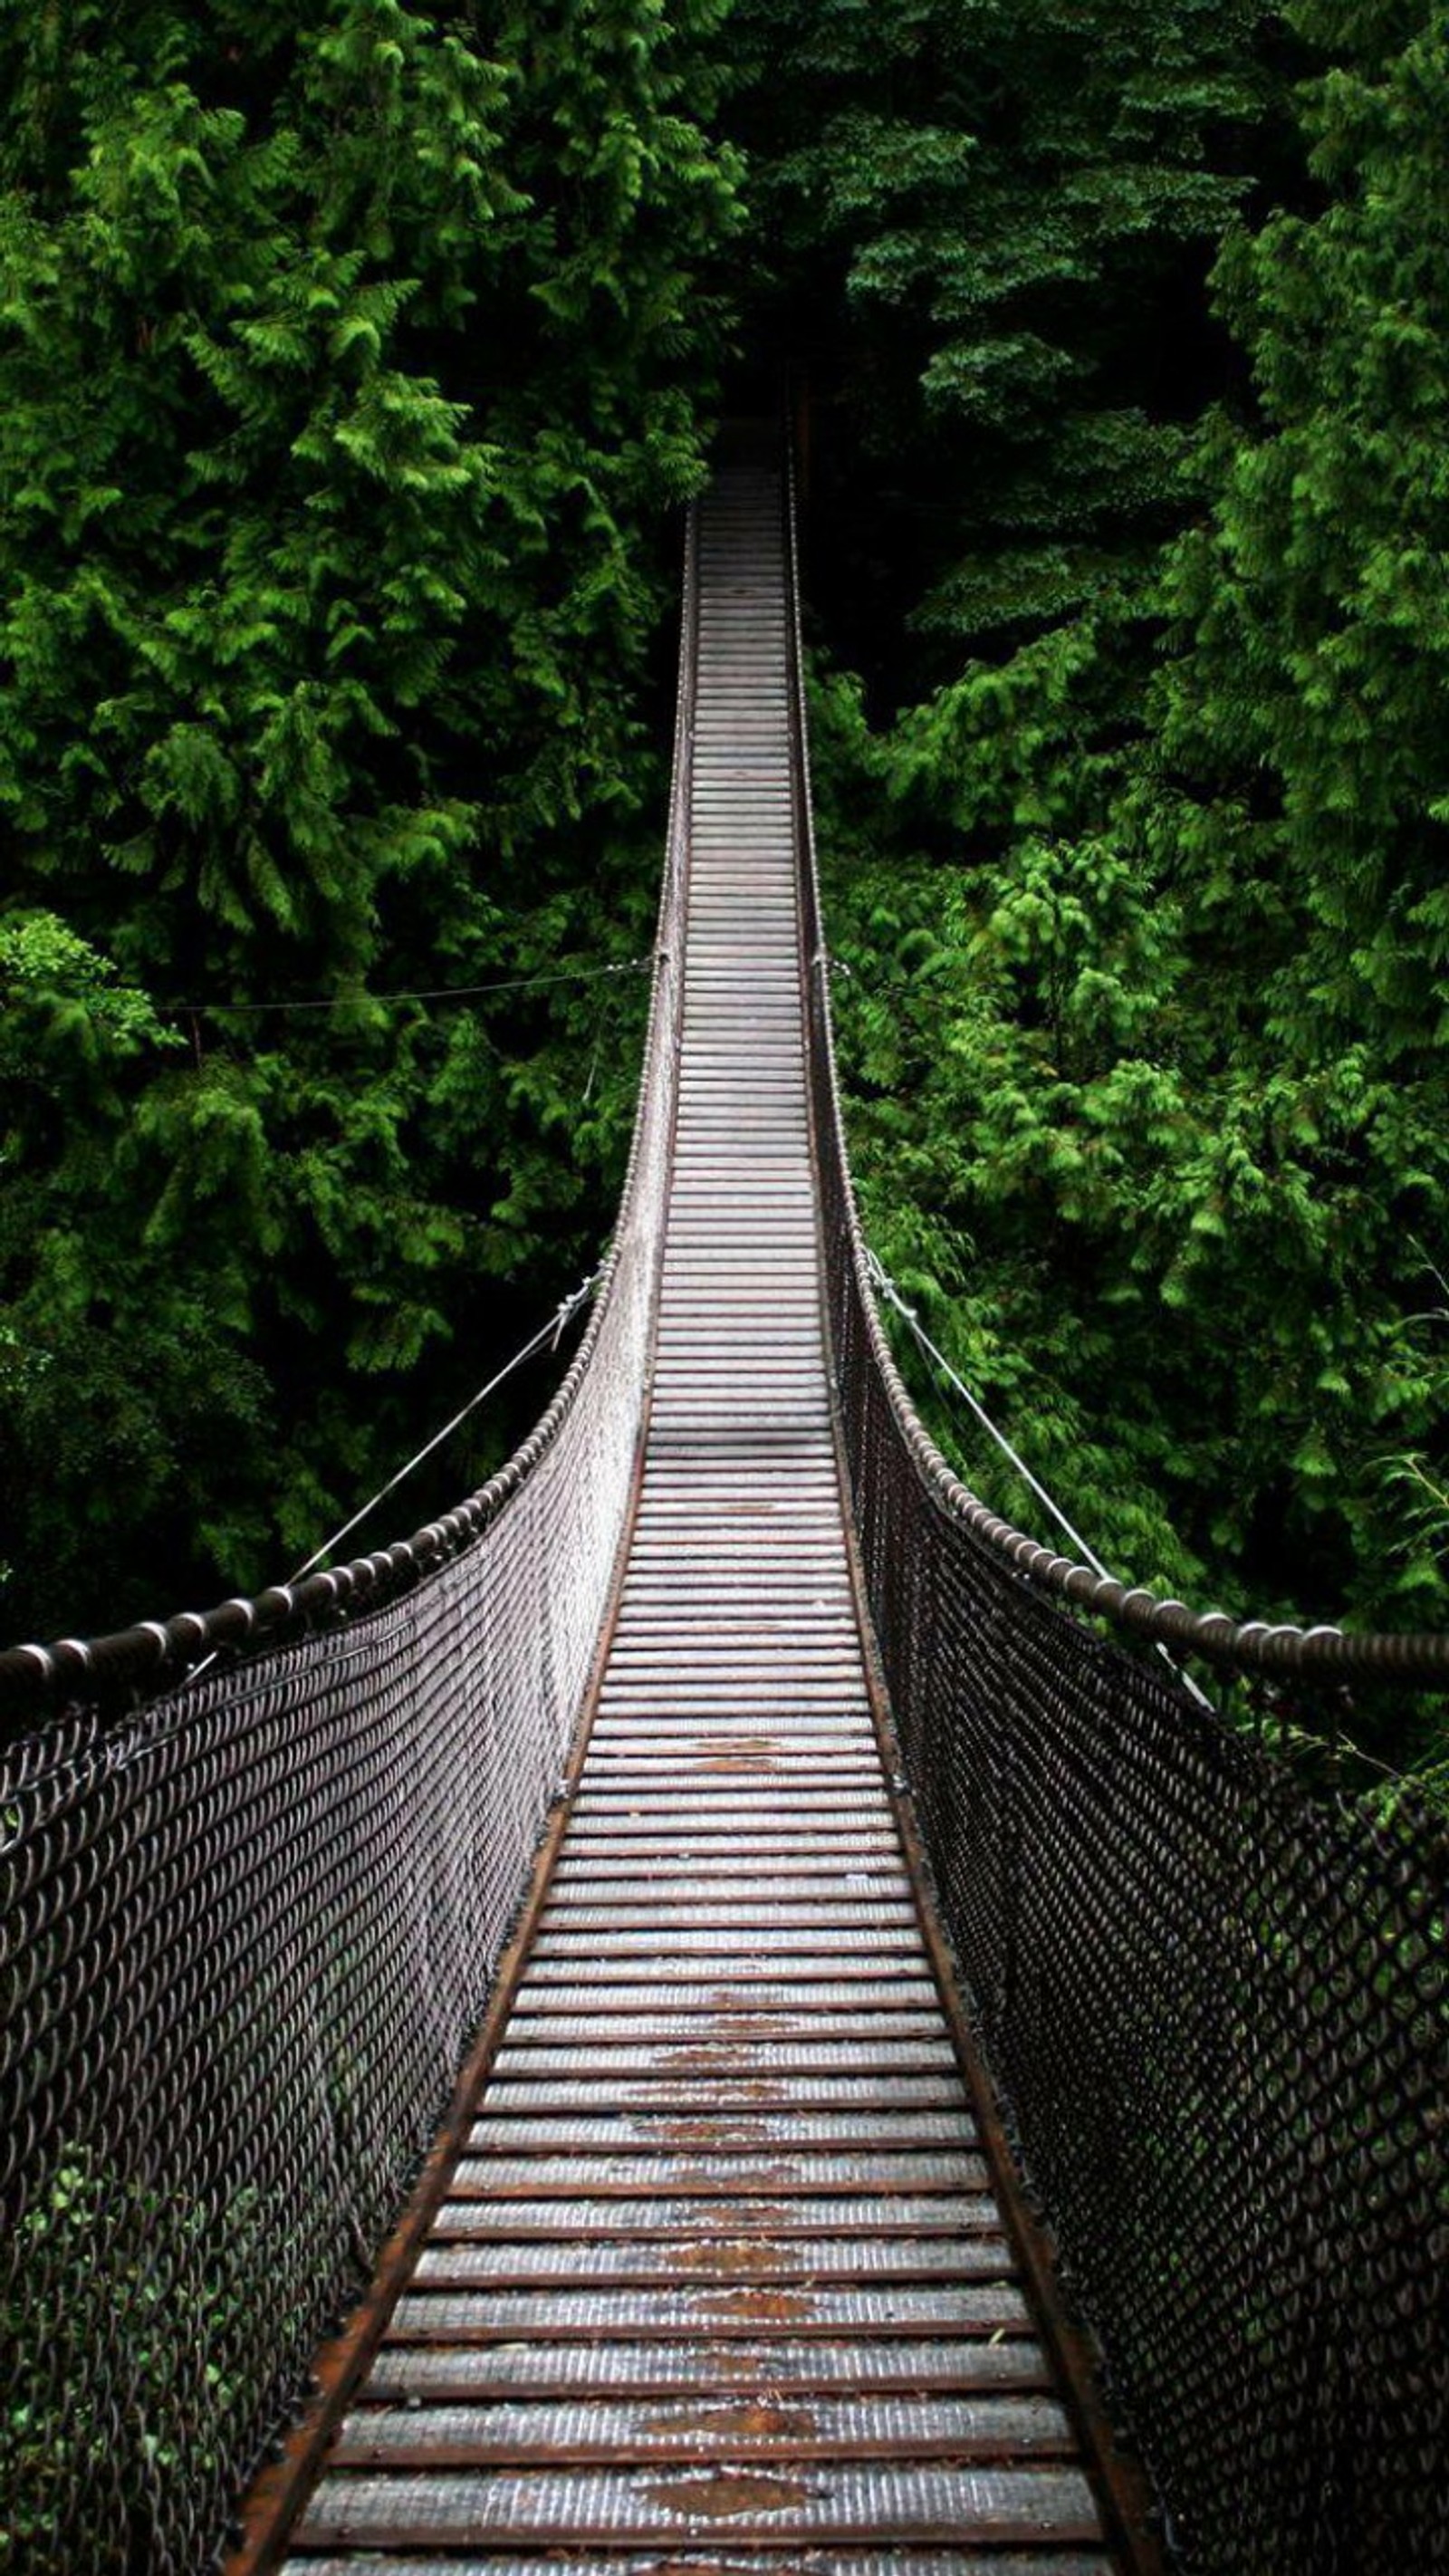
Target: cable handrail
column 254, row 1907
column 155, row 1655
column 1323, row 1652
column 1211, row 1994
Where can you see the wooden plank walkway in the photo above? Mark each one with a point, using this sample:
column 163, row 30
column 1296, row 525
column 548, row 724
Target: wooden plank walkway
column 720, row 2280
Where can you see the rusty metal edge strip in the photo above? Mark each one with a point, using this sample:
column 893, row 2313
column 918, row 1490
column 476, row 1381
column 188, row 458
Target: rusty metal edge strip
column 1118, row 2479
column 955, row 2377
column 1001, row 2450
column 272, row 2505
column 1021, row 2530
column 451, row 2278
column 989, row 2326
column 783, row 2227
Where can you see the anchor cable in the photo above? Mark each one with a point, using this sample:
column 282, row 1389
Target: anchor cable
column 886, row 1289
column 551, row 1333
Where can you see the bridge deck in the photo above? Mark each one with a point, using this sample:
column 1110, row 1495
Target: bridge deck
column 720, row 2269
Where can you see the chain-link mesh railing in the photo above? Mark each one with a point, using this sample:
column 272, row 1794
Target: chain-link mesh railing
column 249, row 1930
column 1217, row 2008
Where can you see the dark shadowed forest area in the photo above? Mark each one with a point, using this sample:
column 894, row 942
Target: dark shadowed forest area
column 356, row 361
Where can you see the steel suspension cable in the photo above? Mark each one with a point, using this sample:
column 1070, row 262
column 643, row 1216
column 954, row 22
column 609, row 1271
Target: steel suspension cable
column 428, row 993
column 885, row 1288
column 551, row 1333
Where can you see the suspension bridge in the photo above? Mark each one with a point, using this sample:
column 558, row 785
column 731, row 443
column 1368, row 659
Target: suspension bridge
column 934, row 2097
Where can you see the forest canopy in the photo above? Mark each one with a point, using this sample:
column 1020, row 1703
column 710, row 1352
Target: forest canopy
column 355, row 362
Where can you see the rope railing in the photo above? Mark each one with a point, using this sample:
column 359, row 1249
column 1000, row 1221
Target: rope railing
column 1215, row 2006
column 250, row 1927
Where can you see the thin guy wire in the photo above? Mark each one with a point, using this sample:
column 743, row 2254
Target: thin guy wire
column 435, row 993
column 885, row 1287
column 551, row 1332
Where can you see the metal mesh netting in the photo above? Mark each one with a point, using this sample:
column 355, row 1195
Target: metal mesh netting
column 1217, row 2011
column 249, row 1931
column 1217, row 2007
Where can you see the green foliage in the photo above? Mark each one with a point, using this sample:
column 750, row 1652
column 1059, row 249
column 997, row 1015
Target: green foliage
column 1146, row 1021
column 106, row 2266
column 1011, row 231
column 351, row 365
column 1007, row 214
column 350, row 369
